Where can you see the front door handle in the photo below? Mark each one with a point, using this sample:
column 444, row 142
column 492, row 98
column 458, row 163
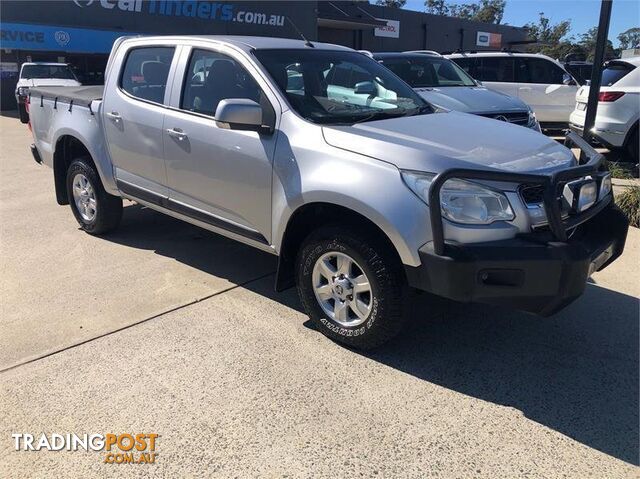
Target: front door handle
column 525, row 88
column 115, row 116
column 177, row 133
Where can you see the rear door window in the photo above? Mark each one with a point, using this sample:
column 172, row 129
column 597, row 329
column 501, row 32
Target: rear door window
column 469, row 65
column 539, row 70
column 496, row 69
column 146, row 71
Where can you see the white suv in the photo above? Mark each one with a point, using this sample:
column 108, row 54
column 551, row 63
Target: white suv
column 618, row 107
column 538, row 80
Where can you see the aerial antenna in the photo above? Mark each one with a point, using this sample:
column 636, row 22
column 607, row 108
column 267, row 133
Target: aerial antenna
column 306, row 42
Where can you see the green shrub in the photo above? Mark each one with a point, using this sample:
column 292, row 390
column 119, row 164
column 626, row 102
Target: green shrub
column 618, row 171
column 629, row 203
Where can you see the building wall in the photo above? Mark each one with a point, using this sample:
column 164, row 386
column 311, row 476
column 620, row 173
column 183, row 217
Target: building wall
column 422, row 31
column 81, row 32
column 169, row 17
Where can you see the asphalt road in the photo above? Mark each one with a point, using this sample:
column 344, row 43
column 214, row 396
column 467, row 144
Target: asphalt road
column 165, row 328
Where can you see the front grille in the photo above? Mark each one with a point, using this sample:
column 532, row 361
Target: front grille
column 518, row 117
column 533, row 195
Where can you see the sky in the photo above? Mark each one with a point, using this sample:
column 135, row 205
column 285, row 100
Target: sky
column 583, row 14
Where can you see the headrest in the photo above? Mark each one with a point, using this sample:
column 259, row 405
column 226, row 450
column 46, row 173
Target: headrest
column 280, row 76
column 221, row 71
column 155, row 73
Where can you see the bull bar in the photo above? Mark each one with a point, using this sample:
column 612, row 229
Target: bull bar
column 548, row 182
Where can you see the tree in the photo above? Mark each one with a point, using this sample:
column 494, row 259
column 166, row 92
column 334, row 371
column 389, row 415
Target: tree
column 552, row 38
column 436, row 7
column 391, row 3
column 489, row 11
column 630, row 38
column 464, row 10
column 587, row 44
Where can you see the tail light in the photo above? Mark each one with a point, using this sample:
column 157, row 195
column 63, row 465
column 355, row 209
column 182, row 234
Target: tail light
column 609, row 95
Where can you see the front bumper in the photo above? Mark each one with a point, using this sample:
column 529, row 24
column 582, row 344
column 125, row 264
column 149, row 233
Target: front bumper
column 541, row 271
column 609, row 138
column 528, row 273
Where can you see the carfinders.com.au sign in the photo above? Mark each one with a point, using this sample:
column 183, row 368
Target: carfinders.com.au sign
column 217, row 11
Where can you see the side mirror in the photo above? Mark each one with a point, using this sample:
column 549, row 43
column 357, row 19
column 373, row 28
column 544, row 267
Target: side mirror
column 239, row 114
column 366, row 88
column 567, row 79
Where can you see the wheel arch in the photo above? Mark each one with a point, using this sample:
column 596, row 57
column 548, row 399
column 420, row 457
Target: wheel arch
column 67, row 149
column 310, row 217
column 71, row 144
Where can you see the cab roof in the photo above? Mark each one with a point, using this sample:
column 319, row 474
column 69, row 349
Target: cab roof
column 246, row 43
column 383, row 55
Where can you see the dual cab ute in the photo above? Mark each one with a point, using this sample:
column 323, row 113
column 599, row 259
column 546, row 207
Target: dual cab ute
column 322, row 156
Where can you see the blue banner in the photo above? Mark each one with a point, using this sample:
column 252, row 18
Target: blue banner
column 20, row 36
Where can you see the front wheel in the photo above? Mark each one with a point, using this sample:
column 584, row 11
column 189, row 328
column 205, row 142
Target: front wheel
column 96, row 211
column 352, row 287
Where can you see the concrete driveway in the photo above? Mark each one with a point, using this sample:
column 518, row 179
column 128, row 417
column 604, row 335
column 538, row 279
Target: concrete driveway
column 162, row 327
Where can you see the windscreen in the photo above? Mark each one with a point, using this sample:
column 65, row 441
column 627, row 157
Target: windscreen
column 340, row 87
column 428, row 72
column 59, row 72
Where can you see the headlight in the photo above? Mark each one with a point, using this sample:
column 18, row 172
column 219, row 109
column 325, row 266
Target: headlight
column 605, row 186
column 462, row 201
column 23, row 91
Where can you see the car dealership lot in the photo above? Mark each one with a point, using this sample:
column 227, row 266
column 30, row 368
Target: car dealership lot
column 181, row 334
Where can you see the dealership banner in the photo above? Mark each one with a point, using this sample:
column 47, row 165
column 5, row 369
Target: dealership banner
column 486, row 39
column 390, row 30
column 20, row 36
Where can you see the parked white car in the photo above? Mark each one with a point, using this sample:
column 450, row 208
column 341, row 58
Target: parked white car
column 540, row 81
column 41, row 74
column 444, row 84
column 618, row 110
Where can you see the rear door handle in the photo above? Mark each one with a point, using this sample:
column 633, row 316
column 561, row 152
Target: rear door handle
column 177, row 133
column 115, row 116
column 525, row 88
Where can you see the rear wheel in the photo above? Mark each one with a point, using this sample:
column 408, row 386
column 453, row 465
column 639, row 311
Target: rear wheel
column 96, row 211
column 22, row 111
column 352, row 287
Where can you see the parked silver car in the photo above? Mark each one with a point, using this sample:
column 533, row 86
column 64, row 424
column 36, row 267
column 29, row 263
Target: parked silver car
column 443, row 83
column 323, row 157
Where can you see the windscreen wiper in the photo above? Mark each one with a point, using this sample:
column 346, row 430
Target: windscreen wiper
column 380, row 115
